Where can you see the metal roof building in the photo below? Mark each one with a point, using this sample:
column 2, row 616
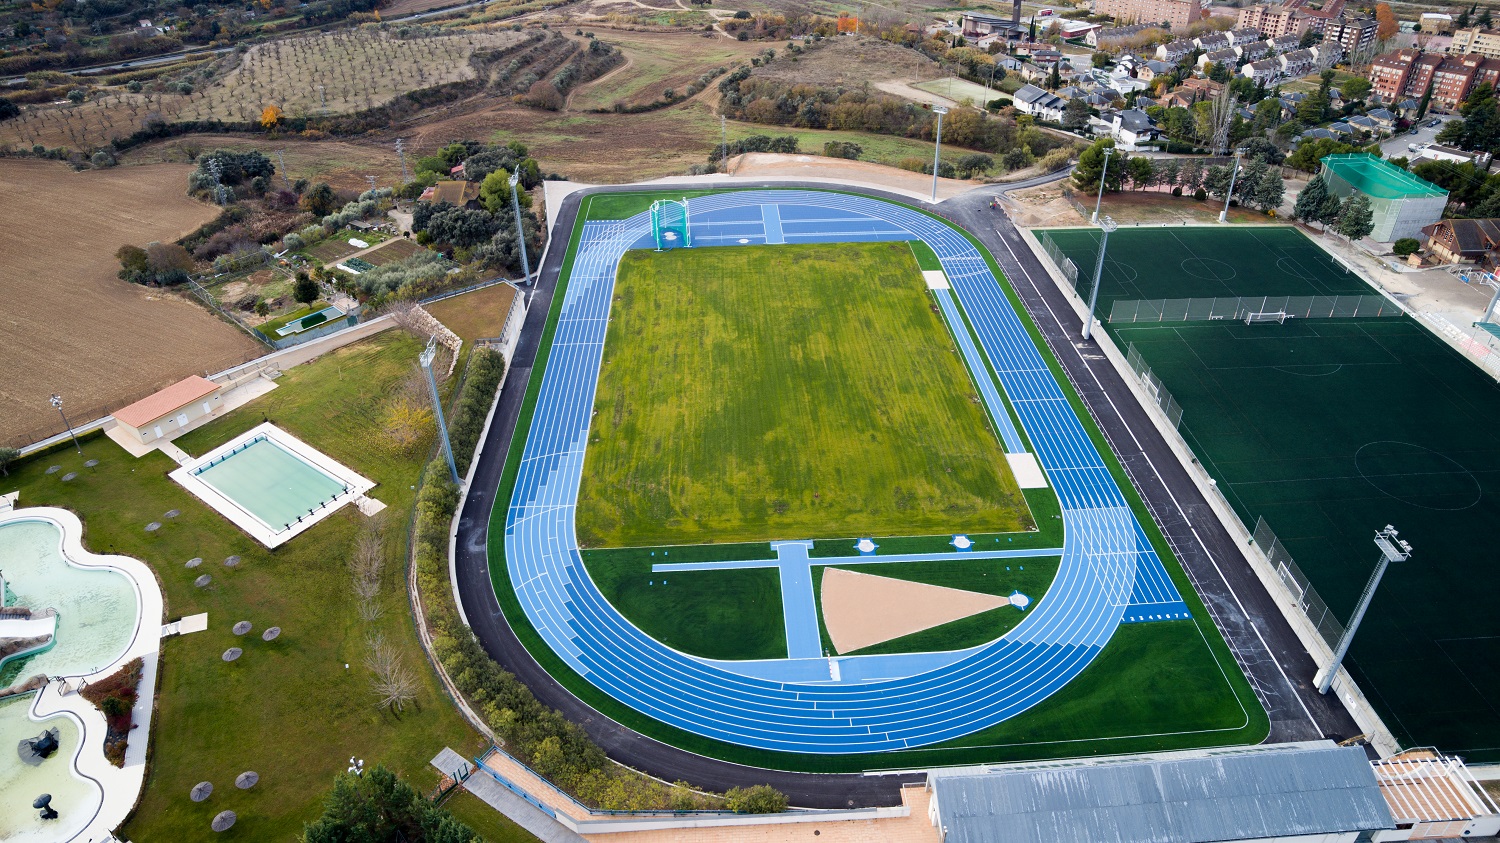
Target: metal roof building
column 1402, row 202
column 1303, row 791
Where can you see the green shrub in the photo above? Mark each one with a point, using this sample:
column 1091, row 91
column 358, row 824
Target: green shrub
column 760, row 799
column 486, row 368
column 1406, row 246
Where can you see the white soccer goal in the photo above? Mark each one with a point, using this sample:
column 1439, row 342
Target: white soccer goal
column 1277, row 316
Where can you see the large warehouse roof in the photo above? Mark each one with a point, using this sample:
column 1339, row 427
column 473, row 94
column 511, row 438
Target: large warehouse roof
column 1381, row 179
column 1286, row 790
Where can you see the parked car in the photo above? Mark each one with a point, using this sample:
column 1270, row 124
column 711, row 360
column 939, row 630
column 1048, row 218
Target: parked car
column 1434, row 122
column 1413, row 131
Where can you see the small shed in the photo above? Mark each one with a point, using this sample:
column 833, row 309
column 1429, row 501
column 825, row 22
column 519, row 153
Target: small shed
column 170, row 412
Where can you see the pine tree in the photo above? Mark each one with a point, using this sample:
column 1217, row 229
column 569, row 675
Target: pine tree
column 1268, row 193
column 1356, row 219
column 1309, row 205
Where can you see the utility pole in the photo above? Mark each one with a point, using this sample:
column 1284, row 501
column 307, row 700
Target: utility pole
column 515, row 205
column 281, row 158
column 401, row 151
column 1224, row 214
column 1103, row 174
column 1392, row 549
column 371, row 179
column 723, row 144
column 323, row 98
column 437, row 405
column 57, row 402
column 937, row 149
column 1106, row 225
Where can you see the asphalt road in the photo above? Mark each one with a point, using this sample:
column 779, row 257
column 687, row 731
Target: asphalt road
column 1267, row 647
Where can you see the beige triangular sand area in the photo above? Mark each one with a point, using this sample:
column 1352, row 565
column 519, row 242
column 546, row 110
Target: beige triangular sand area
column 861, row 610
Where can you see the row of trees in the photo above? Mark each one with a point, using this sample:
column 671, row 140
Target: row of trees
column 1258, row 185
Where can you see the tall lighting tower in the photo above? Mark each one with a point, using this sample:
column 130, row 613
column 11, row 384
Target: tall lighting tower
column 1106, row 225
column 515, row 205
column 1392, row 549
column 437, row 405
column 937, row 149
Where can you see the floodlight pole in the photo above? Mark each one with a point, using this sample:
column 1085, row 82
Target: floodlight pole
column 57, row 402
column 1392, row 549
column 437, row 406
column 1103, row 173
column 1489, row 310
column 1224, row 214
column 1106, row 225
column 937, row 149
column 515, row 205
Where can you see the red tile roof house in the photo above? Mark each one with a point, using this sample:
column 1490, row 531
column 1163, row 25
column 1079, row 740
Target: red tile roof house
column 163, row 415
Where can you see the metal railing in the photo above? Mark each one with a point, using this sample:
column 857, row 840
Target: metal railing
column 1060, row 258
column 1329, row 627
column 1242, row 307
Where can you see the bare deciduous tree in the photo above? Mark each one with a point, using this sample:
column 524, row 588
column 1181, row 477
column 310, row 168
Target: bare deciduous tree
column 392, row 680
column 365, row 567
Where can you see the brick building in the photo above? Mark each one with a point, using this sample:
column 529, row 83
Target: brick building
column 1353, row 34
column 1388, row 74
column 1177, row 14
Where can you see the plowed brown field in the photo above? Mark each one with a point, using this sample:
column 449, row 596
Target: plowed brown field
column 67, row 324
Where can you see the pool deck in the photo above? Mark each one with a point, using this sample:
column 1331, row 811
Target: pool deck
column 120, row 786
column 249, row 522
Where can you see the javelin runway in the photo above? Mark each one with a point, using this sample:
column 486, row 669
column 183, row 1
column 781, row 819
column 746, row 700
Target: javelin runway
column 1108, row 572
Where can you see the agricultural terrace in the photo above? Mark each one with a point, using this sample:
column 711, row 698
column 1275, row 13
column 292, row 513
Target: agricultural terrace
column 752, row 393
column 72, row 327
column 337, row 72
column 292, row 693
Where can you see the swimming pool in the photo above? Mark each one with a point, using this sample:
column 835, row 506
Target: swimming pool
column 271, row 484
column 96, row 608
column 75, row 799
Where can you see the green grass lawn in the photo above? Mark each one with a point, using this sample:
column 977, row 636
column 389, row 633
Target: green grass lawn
column 1031, row 577
column 753, row 393
column 958, row 90
column 270, row 325
column 289, row 709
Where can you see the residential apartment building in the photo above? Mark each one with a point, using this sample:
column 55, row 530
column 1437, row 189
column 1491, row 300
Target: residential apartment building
column 1177, row 14
column 1388, row 74
column 1273, row 21
column 1485, row 42
column 1285, row 43
column 1228, row 58
column 1297, row 63
column 1238, row 37
column 1262, row 72
column 1254, row 51
column 1353, row 34
column 1213, row 41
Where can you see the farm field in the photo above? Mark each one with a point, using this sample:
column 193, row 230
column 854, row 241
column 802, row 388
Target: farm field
column 655, row 62
column 883, row 435
column 292, row 694
column 73, row 328
column 852, row 63
column 396, row 250
column 342, row 164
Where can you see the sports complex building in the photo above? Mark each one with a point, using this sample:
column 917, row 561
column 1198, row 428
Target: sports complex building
column 1402, row 202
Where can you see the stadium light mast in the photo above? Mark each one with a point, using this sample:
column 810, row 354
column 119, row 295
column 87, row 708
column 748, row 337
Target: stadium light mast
column 515, row 205
column 437, row 405
column 1489, row 310
column 1106, row 225
column 56, row 401
column 1392, row 549
column 1224, row 214
column 937, row 149
column 1103, row 172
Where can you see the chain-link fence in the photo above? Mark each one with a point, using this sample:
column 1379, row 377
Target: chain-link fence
column 1063, row 262
column 1297, row 585
column 1246, row 307
column 1154, row 386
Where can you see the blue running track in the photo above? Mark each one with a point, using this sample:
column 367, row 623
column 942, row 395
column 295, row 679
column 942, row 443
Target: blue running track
column 1108, row 573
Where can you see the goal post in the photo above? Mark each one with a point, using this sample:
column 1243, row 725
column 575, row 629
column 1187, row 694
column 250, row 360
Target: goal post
column 669, row 224
column 1277, row 316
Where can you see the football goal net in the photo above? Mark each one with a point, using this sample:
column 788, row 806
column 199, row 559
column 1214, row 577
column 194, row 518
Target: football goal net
column 1277, row 316
column 669, row 224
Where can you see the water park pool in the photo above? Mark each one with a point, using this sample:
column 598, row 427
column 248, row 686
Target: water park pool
column 271, row 484
column 75, row 799
column 96, row 609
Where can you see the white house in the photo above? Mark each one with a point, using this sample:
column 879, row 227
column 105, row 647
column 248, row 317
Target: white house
column 1130, row 128
column 1262, row 72
column 1029, row 99
column 1297, row 63
column 1253, row 51
column 1174, row 51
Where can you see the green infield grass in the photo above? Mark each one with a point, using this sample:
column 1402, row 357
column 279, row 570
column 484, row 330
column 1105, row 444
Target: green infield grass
column 764, row 392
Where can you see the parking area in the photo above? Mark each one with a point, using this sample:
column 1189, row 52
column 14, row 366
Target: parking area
column 1400, row 145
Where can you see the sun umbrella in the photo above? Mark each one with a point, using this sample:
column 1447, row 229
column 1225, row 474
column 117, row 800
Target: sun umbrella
column 200, row 791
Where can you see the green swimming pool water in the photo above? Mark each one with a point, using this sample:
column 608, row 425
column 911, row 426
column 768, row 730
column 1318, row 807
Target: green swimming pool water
column 271, row 483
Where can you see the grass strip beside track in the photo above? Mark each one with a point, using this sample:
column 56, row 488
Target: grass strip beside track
column 1124, row 702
